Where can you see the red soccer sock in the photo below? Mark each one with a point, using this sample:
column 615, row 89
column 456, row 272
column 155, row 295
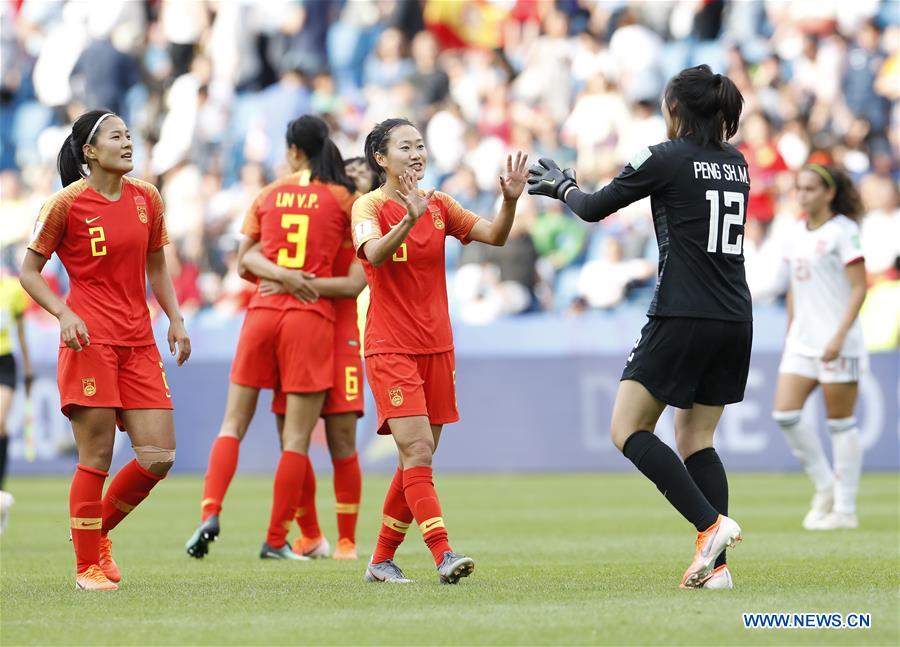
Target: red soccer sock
column 286, row 497
column 223, row 460
column 395, row 521
column 129, row 487
column 86, row 515
column 347, row 493
column 422, row 498
column 307, row 517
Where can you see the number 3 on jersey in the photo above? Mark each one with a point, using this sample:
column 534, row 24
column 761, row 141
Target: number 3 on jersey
column 729, row 198
column 298, row 231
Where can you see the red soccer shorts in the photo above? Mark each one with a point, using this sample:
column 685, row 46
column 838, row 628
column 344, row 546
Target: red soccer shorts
column 117, row 377
column 345, row 396
column 413, row 385
column 290, row 348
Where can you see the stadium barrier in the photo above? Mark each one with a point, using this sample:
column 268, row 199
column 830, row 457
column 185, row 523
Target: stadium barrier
column 535, row 394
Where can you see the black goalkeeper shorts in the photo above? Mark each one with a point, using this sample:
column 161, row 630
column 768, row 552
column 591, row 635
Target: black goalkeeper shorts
column 683, row 361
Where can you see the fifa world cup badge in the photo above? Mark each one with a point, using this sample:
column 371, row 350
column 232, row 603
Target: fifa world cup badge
column 89, row 385
column 396, row 396
column 435, row 212
column 141, row 206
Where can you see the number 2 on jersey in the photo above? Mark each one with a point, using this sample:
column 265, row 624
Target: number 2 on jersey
column 97, row 236
column 297, row 257
column 729, row 198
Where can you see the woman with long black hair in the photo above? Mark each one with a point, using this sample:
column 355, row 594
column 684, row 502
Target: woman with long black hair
column 694, row 352
column 109, row 231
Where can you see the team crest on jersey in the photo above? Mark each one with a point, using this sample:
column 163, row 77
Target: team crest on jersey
column 821, row 246
column 89, row 386
column 141, row 206
column 396, row 395
column 435, row 212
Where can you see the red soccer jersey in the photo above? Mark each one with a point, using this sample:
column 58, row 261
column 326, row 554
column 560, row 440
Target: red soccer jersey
column 346, row 320
column 301, row 224
column 408, row 310
column 103, row 246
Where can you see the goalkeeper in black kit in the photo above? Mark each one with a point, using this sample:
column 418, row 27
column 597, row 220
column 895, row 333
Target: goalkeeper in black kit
column 694, row 351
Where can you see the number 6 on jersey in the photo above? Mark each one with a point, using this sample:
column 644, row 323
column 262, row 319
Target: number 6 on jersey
column 729, row 198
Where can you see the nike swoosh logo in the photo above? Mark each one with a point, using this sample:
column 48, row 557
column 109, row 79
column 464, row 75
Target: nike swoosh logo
column 90, row 220
column 90, row 525
column 429, row 526
column 549, row 181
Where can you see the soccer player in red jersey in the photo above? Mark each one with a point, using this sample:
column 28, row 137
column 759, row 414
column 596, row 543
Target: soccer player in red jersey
column 109, row 231
column 399, row 232
column 344, row 401
column 287, row 339
column 343, row 405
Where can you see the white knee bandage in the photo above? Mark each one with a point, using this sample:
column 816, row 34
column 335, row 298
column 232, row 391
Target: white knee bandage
column 838, row 425
column 149, row 455
column 787, row 418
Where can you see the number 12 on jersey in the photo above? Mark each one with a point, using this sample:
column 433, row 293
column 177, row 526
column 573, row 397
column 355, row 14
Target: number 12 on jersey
column 729, row 218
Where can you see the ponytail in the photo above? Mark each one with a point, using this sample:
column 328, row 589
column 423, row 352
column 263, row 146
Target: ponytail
column 377, row 141
column 706, row 107
column 310, row 134
column 70, row 161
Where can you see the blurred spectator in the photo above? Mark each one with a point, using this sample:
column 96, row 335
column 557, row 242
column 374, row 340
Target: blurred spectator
column 208, row 86
column 605, row 282
column 765, row 164
column 558, row 236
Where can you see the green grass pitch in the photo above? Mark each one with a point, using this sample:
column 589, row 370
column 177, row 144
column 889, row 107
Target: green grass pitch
column 575, row 559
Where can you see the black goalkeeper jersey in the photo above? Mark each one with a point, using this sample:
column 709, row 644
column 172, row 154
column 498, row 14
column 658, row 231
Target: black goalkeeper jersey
column 698, row 195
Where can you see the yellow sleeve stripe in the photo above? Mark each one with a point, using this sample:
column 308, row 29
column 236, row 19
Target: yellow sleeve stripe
column 86, row 523
column 395, row 524
column 346, row 508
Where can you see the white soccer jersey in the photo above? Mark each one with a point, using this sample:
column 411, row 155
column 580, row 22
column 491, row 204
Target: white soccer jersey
column 820, row 287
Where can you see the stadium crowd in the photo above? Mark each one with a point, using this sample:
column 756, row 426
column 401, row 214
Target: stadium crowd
column 207, row 88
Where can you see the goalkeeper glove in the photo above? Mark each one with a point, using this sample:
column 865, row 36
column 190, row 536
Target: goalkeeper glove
column 546, row 178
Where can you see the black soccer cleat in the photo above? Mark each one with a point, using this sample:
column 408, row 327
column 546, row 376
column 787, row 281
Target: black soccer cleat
column 206, row 533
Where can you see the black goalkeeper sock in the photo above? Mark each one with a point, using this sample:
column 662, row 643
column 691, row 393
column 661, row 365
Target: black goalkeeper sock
column 706, row 468
column 4, row 440
column 660, row 464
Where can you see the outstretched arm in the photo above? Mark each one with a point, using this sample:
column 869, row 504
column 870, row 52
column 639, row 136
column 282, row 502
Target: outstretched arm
column 641, row 177
column 496, row 231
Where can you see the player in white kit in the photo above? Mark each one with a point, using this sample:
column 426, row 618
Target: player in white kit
column 824, row 342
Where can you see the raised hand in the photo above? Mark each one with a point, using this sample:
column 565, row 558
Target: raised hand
column 416, row 204
column 514, row 183
column 546, row 178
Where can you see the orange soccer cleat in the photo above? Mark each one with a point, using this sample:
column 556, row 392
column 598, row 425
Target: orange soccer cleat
column 315, row 548
column 346, row 549
column 107, row 563
column 724, row 533
column 93, row 579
